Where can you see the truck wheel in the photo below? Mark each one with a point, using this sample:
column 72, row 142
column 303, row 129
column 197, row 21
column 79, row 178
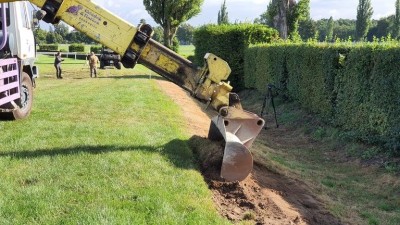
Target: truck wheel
column 24, row 103
column 26, row 100
column 118, row 65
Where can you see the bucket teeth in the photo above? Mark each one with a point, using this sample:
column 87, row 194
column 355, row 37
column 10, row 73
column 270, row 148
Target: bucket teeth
column 239, row 129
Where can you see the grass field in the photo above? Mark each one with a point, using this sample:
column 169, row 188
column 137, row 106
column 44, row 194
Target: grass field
column 109, row 150
column 112, row 150
column 186, row 50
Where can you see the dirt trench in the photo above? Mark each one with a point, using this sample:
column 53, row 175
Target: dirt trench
column 264, row 197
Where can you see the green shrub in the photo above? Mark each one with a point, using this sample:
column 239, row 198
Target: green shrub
column 369, row 94
column 265, row 66
column 76, row 48
column 354, row 86
column 48, row 47
column 96, row 49
column 304, row 72
column 230, row 42
column 312, row 71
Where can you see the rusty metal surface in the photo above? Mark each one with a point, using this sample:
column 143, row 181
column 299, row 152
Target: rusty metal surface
column 239, row 129
column 237, row 162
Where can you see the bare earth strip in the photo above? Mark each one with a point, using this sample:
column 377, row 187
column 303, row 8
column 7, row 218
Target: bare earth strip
column 264, row 197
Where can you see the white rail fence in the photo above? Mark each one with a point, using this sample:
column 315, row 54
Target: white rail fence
column 74, row 54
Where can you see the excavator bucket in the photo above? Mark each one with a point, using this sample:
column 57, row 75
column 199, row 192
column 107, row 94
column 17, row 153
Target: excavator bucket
column 239, row 129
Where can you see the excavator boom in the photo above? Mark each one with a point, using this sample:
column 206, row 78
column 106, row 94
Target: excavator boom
column 237, row 127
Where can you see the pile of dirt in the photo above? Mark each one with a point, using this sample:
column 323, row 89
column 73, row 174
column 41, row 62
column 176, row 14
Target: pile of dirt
column 245, row 200
column 264, row 197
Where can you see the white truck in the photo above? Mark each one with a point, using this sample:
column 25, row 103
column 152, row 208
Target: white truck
column 17, row 57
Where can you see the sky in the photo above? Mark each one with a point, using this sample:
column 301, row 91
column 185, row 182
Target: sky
column 245, row 10
column 248, row 10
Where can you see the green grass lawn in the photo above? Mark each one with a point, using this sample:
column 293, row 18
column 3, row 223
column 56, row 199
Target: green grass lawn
column 110, row 150
column 186, row 50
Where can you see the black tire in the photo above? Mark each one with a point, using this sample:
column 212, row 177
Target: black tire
column 118, row 65
column 101, row 65
column 24, row 103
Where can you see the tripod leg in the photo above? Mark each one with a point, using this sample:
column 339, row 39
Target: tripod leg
column 273, row 106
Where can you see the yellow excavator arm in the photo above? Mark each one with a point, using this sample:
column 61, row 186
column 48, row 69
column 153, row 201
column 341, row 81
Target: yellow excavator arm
column 135, row 45
column 237, row 127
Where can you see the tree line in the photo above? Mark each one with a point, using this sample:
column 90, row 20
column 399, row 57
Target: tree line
column 61, row 34
column 290, row 17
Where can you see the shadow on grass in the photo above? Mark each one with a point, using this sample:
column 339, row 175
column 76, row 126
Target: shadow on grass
column 176, row 151
column 64, row 63
column 152, row 77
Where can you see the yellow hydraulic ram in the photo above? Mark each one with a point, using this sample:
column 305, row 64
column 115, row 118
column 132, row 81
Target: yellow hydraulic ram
column 239, row 128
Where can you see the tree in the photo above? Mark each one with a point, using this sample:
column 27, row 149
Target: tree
column 223, row 15
column 158, row 34
column 185, row 34
column 53, row 38
column 171, row 13
column 307, row 29
column 380, row 28
column 263, row 19
column 285, row 16
column 364, row 14
column 304, row 26
column 62, row 30
column 344, row 29
column 396, row 24
column 79, row 37
column 277, row 16
column 40, row 36
column 329, row 30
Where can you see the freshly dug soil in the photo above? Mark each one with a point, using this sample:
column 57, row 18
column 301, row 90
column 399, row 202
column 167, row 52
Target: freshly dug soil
column 264, row 197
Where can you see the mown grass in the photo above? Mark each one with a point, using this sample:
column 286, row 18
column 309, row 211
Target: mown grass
column 186, row 50
column 110, row 150
column 98, row 151
column 79, row 69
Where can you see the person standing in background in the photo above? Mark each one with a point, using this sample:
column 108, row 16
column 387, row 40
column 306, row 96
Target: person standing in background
column 93, row 61
column 57, row 64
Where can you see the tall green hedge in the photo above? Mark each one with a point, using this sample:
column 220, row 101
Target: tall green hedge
column 76, row 48
column 230, row 42
column 96, row 49
column 269, row 65
column 304, row 72
column 353, row 86
column 312, row 70
column 48, row 47
column 369, row 94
